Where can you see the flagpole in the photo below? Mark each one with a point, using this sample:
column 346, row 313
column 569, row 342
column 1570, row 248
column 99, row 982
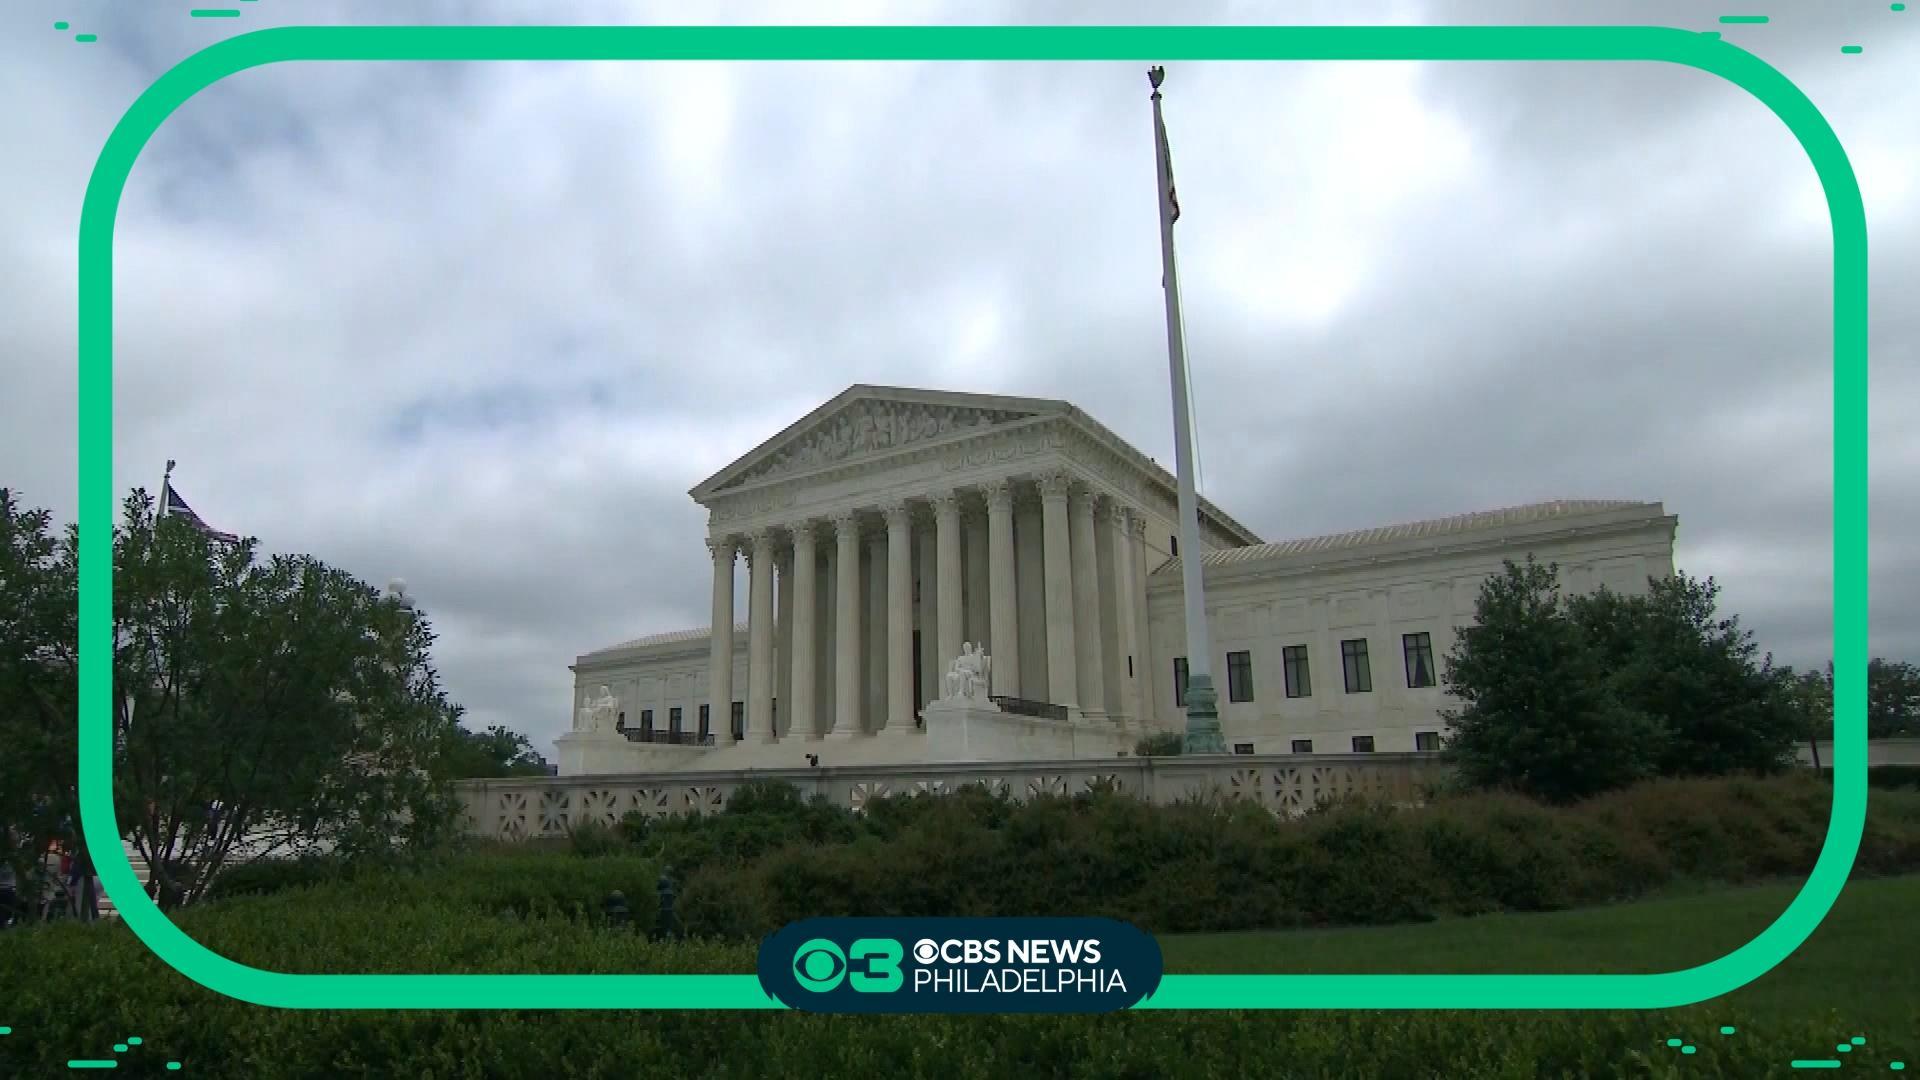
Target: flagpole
column 165, row 480
column 1203, row 716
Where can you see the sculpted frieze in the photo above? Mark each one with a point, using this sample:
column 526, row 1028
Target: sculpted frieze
column 873, row 427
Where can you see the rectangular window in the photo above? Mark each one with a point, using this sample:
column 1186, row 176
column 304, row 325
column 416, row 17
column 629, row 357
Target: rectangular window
column 1299, row 679
column 620, row 722
column 1426, row 741
column 1180, row 682
column 1353, row 657
column 1173, row 545
column 1363, row 744
column 1243, row 748
column 1303, row 746
column 739, row 719
column 673, row 722
column 1419, row 650
column 706, row 723
column 1240, row 676
column 646, row 722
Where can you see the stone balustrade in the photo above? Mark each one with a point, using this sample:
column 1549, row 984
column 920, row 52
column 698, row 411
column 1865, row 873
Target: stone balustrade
column 1286, row 784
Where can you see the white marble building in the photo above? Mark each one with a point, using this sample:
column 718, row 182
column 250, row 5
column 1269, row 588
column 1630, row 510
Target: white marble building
column 890, row 526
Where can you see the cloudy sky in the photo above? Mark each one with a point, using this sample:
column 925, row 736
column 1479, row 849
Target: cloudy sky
column 482, row 326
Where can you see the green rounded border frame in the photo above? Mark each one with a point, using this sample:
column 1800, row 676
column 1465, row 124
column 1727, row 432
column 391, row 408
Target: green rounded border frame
column 982, row 43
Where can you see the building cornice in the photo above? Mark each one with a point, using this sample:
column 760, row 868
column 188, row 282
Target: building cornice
column 1071, row 434
column 1386, row 556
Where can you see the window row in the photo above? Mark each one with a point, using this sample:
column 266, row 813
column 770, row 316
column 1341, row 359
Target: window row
column 1355, row 668
column 675, row 720
column 1425, row 742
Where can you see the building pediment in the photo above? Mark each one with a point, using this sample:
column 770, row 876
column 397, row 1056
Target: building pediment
column 873, row 422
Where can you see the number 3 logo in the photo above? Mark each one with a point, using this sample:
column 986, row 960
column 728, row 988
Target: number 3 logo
column 882, row 956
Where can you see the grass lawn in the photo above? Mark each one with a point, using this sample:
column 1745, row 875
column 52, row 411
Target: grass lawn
column 1863, row 962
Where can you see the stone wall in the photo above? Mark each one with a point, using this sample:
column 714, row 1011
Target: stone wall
column 1286, row 784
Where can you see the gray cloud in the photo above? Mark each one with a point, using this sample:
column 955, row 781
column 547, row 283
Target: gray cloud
column 481, row 326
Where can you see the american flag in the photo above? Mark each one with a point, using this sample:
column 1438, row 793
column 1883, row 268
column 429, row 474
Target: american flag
column 1166, row 155
column 172, row 505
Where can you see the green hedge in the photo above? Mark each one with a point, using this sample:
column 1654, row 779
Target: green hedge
column 501, row 882
column 1232, row 866
column 74, row 991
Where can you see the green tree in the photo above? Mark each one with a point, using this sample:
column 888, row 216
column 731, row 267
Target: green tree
column 280, row 702
column 1669, row 655
column 39, row 690
column 1893, row 699
column 1537, row 713
column 497, row 751
column 1809, row 695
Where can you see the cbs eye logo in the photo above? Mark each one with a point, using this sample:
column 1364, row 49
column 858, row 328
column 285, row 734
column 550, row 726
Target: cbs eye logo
column 820, row 966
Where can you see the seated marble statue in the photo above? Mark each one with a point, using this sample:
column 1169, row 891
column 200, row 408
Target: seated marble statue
column 967, row 675
column 597, row 712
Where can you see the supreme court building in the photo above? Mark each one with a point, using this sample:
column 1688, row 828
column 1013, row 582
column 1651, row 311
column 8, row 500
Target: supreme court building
column 890, row 526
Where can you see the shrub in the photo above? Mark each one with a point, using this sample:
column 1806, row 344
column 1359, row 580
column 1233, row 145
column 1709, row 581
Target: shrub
column 592, row 838
column 1217, row 865
column 264, row 877
column 1161, row 744
column 76, row 990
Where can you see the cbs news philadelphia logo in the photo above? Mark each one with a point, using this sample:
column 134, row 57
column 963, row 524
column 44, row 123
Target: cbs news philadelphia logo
column 960, row 965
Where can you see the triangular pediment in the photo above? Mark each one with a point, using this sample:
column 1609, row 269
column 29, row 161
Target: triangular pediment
column 873, row 421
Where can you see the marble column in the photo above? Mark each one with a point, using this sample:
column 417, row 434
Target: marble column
column 847, row 698
column 760, row 638
column 947, row 610
column 926, row 604
column 1063, row 686
column 1126, row 627
column 874, row 678
column 1148, row 711
column 1113, row 661
column 784, row 611
column 1002, row 593
column 900, row 703
column 1086, row 607
column 973, row 578
column 800, row 719
column 720, row 640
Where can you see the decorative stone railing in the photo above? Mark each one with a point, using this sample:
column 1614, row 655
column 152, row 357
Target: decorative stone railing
column 1286, row 784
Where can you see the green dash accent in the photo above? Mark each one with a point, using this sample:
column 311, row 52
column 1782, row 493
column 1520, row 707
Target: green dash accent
column 59, row 26
column 1849, row 49
column 173, row 1066
column 1843, row 1048
column 133, row 1040
column 1896, row 1066
column 1687, row 1049
column 83, row 1063
column 215, row 13
column 1859, row 1040
column 119, row 1048
column 1726, row 1031
column 1828, row 1063
column 1673, row 1042
column 1753, row 19
column 1899, row 7
column 83, row 38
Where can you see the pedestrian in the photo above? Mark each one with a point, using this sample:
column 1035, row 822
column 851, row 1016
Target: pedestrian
column 9, row 893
